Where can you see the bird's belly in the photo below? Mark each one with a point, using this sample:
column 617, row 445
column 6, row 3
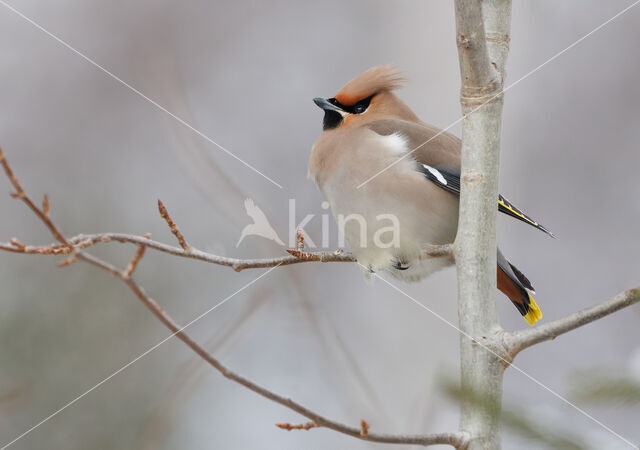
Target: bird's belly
column 407, row 261
column 387, row 234
column 389, row 212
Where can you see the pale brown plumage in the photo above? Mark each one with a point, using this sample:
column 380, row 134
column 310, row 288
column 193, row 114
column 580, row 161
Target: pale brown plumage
column 369, row 132
column 376, row 79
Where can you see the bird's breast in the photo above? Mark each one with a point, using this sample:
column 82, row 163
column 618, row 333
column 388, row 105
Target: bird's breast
column 387, row 210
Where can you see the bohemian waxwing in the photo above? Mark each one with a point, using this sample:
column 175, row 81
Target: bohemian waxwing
column 412, row 201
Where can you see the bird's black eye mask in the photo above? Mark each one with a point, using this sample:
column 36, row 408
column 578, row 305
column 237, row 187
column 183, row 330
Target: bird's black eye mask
column 357, row 108
column 333, row 118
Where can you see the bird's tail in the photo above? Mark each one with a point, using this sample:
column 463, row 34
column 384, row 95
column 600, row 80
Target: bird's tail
column 534, row 314
column 517, row 287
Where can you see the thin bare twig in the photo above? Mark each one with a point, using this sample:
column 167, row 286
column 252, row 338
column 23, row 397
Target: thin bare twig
column 364, row 429
column 83, row 241
column 46, row 207
column 67, row 261
column 174, row 228
column 456, row 439
column 300, row 426
column 16, row 243
column 56, row 249
column 131, row 267
column 43, row 214
column 299, row 239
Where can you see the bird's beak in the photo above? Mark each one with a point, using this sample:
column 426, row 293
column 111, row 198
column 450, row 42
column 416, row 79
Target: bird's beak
column 323, row 103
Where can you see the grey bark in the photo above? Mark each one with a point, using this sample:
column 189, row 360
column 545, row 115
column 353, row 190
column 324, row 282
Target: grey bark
column 481, row 69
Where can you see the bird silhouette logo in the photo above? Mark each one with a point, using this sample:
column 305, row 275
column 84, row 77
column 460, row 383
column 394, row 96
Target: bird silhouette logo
column 260, row 226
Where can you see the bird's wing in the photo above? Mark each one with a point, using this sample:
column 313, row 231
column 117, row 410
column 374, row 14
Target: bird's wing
column 438, row 156
column 451, row 182
column 518, row 288
column 426, row 144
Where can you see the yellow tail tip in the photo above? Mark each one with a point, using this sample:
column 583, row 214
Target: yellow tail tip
column 534, row 314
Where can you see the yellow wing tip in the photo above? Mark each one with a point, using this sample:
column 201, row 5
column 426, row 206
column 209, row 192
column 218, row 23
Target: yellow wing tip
column 534, row 314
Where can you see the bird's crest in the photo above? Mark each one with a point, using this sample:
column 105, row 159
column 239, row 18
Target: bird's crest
column 372, row 81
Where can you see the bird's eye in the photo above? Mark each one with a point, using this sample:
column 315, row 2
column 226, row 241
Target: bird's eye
column 362, row 105
column 359, row 108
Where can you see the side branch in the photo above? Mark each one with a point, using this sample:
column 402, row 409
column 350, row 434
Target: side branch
column 174, row 228
column 43, row 214
column 457, row 440
column 83, row 241
column 73, row 246
column 517, row 341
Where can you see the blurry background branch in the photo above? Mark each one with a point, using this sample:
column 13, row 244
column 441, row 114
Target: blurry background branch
column 75, row 246
column 519, row 420
column 608, row 386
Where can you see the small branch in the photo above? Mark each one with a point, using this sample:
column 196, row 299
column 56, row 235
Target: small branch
column 299, row 239
column 67, row 261
column 301, row 426
column 519, row 340
column 46, row 207
column 457, row 440
column 12, row 178
column 16, row 243
column 236, row 263
column 83, row 241
column 364, row 429
column 338, row 255
column 55, row 249
column 131, row 267
column 174, row 228
column 43, row 214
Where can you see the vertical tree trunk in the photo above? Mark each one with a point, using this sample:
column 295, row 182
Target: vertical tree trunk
column 482, row 38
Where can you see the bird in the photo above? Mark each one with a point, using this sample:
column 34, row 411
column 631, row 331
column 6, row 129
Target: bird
column 260, row 225
column 374, row 157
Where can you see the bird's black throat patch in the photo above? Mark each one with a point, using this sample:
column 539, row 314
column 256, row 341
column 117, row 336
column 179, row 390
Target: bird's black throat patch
column 331, row 119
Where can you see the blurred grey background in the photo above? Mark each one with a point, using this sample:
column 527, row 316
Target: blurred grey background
column 244, row 73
